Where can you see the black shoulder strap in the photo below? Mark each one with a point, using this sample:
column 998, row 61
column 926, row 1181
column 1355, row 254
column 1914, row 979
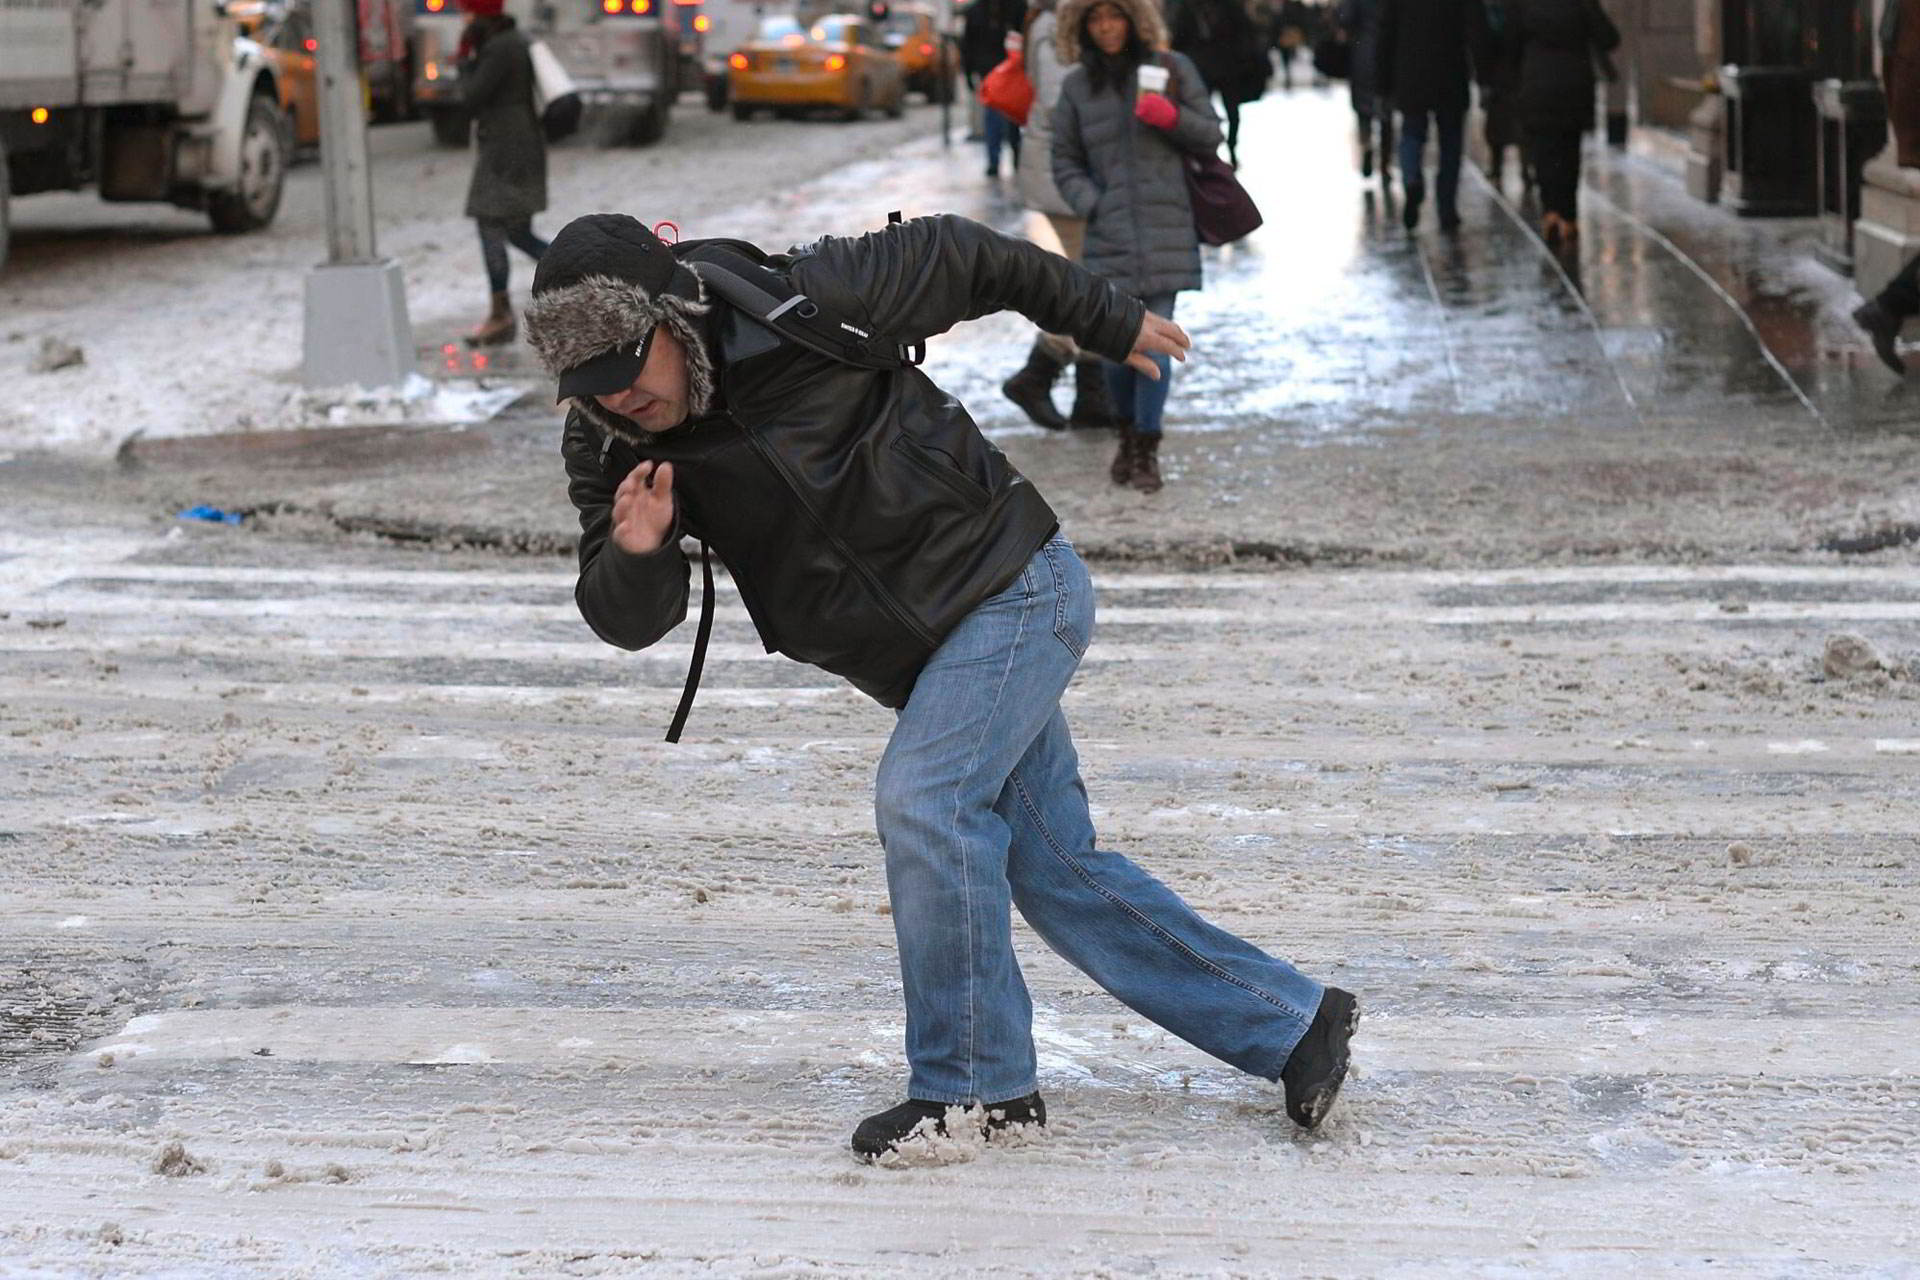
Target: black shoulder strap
column 770, row 298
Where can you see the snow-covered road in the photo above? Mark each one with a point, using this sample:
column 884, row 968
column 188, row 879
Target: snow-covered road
column 351, row 871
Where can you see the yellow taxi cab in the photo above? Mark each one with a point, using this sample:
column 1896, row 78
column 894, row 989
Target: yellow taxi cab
column 837, row 62
column 286, row 33
column 930, row 62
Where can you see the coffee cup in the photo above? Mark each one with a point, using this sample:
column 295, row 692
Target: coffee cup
column 1153, row 79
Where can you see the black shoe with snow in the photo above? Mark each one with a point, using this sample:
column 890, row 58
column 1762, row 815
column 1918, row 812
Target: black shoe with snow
column 1884, row 328
column 1318, row 1065
column 880, row 1134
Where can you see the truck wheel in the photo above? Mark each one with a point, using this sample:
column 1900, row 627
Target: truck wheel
column 741, row 111
column 255, row 197
column 452, row 126
column 6, row 194
column 898, row 106
column 717, row 94
column 649, row 126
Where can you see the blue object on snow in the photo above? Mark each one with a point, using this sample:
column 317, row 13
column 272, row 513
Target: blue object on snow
column 212, row 515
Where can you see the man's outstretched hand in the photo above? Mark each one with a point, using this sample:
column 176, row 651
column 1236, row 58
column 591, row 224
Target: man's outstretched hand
column 1158, row 336
column 643, row 508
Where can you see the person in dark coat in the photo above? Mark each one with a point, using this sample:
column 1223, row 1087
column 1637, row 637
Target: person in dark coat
column 1499, row 102
column 871, row 530
column 510, row 153
column 983, row 46
column 1219, row 37
column 1429, row 52
column 1360, row 19
column 1553, row 44
column 1119, row 159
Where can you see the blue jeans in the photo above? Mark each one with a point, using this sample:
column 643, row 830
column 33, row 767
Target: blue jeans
column 1451, row 125
column 1000, row 132
column 495, row 235
column 1136, row 395
column 981, row 809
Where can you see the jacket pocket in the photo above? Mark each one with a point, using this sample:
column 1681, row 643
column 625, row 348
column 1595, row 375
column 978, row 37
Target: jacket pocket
column 945, row 472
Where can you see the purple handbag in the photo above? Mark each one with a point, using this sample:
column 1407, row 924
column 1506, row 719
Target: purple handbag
column 1222, row 210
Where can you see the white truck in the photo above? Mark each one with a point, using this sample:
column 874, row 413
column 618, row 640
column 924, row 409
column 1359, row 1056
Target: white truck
column 157, row 100
column 623, row 55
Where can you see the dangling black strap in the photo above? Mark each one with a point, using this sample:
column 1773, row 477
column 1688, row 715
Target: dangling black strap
column 699, row 660
column 916, row 354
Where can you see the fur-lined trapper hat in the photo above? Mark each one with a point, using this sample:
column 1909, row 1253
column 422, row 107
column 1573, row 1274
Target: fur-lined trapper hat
column 602, row 287
column 1148, row 23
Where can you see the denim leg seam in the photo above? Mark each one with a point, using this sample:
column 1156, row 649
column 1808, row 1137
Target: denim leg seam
column 953, row 824
column 1166, row 939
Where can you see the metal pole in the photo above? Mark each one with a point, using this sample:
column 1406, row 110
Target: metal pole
column 945, row 23
column 343, row 133
column 357, row 329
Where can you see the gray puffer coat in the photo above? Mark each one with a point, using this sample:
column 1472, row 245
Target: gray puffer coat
column 510, row 160
column 1126, row 178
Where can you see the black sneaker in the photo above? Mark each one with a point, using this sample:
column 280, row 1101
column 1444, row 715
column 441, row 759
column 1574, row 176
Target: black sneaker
column 1318, row 1066
column 1410, row 211
column 880, row 1134
column 1884, row 328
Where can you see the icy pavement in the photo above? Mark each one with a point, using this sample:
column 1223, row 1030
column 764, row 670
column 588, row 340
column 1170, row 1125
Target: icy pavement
column 364, row 877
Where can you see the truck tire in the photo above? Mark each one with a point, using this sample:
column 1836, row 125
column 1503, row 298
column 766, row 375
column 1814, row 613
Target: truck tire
column 452, row 126
column 263, row 172
column 741, row 111
column 649, row 125
column 717, row 94
column 6, row 196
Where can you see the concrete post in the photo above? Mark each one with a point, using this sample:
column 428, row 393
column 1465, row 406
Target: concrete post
column 357, row 332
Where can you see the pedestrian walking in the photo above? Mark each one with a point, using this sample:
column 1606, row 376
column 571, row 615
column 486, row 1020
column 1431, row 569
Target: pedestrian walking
column 510, row 153
column 983, row 46
column 1554, row 45
column 1032, row 387
column 1428, row 52
column 1218, row 37
column 1373, row 120
column 874, row 532
column 1289, row 36
column 1500, row 106
column 1119, row 157
column 1885, row 314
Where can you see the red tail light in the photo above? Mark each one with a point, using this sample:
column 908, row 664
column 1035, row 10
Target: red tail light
column 926, row 51
column 312, row 44
column 613, row 6
column 703, row 24
column 836, row 62
column 738, row 62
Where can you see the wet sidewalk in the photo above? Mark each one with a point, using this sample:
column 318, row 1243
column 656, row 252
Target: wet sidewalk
column 1684, row 386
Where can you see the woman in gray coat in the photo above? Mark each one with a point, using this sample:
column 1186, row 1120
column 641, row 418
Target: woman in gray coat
column 1032, row 387
column 1119, row 159
column 510, row 156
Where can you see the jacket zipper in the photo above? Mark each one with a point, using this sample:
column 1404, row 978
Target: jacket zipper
column 845, row 552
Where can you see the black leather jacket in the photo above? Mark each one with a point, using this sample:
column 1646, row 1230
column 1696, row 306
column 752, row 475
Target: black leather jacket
column 861, row 512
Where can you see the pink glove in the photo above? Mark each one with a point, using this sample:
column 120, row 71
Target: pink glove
column 1156, row 110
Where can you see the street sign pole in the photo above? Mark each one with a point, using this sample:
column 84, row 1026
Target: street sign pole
column 944, row 36
column 357, row 331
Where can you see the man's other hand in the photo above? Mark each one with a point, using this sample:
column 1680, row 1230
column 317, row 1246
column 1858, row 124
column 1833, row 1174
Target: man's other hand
column 1158, row 336
column 643, row 508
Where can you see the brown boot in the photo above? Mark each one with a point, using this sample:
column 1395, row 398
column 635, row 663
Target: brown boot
column 1122, row 468
column 497, row 328
column 1552, row 227
column 1146, row 464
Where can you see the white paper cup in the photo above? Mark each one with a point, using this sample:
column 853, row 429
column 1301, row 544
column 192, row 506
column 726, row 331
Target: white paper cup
column 1153, row 79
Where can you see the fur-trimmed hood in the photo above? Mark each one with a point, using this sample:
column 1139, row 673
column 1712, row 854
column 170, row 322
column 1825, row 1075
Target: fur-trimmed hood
column 1148, row 23
column 568, row 325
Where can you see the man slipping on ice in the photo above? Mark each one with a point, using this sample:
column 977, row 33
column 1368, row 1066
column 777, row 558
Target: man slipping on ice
column 872, row 531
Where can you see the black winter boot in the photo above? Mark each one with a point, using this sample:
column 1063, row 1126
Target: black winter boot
column 1032, row 387
column 1092, row 402
column 880, row 1134
column 1884, row 328
column 1122, row 469
column 1318, row 1065
column 1145, row 475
